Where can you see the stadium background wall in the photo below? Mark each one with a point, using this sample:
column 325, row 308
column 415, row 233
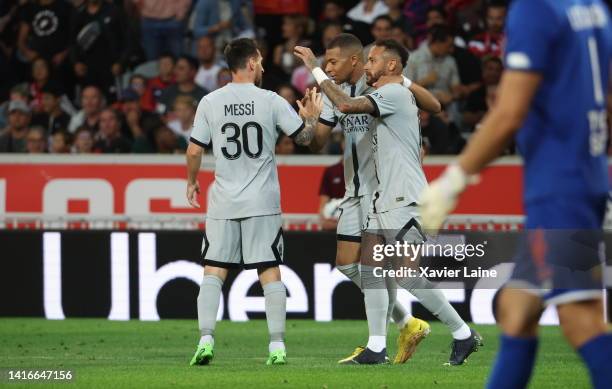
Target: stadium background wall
column 153, row 275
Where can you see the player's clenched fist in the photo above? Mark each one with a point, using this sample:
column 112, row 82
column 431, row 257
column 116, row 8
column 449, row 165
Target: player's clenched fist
column 440, row 197
column 193, row 190
column 306, row 55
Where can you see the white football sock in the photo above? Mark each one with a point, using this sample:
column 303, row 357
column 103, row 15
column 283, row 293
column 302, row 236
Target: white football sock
column 377, row 343
column 207, row 339
column 276, row 346
column 462, row 333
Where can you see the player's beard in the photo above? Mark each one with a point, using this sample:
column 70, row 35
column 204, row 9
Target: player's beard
column 371, row 78
column 258, row 79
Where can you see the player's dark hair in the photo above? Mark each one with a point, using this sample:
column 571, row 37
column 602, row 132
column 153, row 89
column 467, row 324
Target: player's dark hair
column 382, row 17
column 193, row 63
column 344, row 41
column 238, row 52
column 440, row 33
column 395, row 48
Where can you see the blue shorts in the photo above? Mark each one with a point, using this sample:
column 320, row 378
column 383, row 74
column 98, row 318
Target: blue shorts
column 561, row 251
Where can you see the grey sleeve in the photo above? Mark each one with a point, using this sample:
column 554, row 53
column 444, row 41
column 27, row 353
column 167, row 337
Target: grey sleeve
column 286, row 118
column 385, row 99
column 328, row 116
column 201, row 133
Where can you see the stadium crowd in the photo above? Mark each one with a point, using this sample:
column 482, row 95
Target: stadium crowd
column 125, row 76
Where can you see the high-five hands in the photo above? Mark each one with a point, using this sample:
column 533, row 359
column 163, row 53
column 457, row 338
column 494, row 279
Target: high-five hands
column 311, row 104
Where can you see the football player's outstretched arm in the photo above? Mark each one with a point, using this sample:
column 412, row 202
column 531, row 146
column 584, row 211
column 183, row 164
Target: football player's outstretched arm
column 321, row 136
column 424, row 98
column 344, row 102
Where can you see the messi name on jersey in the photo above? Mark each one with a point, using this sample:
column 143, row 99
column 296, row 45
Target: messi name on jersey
column 240, row 109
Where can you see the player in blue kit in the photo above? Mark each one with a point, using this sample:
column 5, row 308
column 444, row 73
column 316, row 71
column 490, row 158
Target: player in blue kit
column 552, row 96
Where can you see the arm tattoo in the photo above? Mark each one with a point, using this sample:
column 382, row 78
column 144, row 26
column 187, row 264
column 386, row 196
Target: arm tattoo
column 307, row 134
column 344, row 102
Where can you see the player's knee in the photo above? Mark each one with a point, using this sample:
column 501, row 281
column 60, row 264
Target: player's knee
column 517, row 323
column 215, row 271
column 270, row 274
column 581, row 321
column 347, row 253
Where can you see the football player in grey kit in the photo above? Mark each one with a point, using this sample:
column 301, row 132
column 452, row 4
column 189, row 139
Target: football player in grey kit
column 243, row 221
column 396, row 148
column 344, row 65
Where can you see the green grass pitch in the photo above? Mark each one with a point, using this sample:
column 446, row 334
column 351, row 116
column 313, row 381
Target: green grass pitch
column 105, row 354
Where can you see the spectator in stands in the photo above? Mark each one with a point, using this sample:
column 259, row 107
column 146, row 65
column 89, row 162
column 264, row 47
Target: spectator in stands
column 436, row 131
column 52, row 118
column 284, row 145
column 330, row 31
column 139, row 124
column 36, row 141
column 224, row 77
column 162, row 26
column 18, row 92
column 184, row 74
column 333, row 12
column 381, row 29
column 92, row 103
column 477, row 105
column 433, row 67
column 83, row 141
column 207, row 19
column 416, row 12
column 288, row 93
column 490, row 41
column 60, row 143
column 206, row 76
column 396, row 14
column 184, row 113
column 41, row 71
column 13, row 137
column 367, row 10
column 435, row 16
column 156, row 85
column 101, row 45
column 138, row 84
column 399, row 35
column 294, row 32
column 167, row 142
column 332, row 188
column 110, row 138
column 45, row 30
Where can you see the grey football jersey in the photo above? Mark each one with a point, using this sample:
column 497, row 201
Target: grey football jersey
column 359, row 173
column 241, row 121
column 396, row 142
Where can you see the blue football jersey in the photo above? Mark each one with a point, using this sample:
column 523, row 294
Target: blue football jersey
column 563, row 139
